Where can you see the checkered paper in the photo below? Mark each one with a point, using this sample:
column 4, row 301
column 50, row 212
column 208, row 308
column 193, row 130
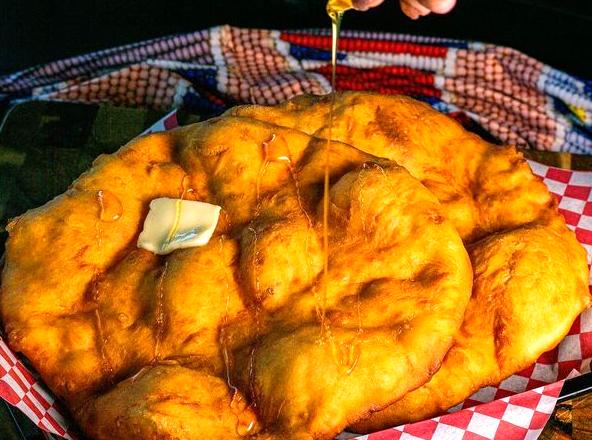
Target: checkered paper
column 20, row 388
column 517, row 409
column 168, row 122
column 521, row 416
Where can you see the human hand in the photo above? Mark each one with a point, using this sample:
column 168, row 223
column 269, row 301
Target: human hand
column 412, row 8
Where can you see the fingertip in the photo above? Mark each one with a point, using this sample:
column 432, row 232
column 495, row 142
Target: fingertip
column 439, row 6
column 364, row 5
column 413, row 9
column 410, row 11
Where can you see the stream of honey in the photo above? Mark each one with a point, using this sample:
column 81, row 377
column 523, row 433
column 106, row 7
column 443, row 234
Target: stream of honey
column 110, row 210
column 335, row 10
column 346, row 355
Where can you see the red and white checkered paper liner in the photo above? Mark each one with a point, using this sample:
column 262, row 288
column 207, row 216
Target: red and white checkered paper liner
column 516, row 409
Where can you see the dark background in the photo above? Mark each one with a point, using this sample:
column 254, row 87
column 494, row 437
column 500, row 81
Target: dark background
column 558, row 32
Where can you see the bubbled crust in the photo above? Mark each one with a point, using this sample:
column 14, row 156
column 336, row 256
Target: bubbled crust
column 530, row 284
column 530, row 273
column 484, row 188
column 145, row 346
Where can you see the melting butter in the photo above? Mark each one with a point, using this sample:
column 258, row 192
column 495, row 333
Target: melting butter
column 177, row 224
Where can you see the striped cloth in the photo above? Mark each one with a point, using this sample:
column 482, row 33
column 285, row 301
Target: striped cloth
column 514, row 98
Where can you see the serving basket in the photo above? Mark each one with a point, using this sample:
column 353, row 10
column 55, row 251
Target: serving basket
column 104, row 129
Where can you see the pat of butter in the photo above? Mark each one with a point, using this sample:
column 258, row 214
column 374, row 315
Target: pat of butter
column 177, row 224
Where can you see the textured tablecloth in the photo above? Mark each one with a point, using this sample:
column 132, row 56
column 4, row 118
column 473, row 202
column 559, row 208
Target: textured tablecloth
column 515, row 98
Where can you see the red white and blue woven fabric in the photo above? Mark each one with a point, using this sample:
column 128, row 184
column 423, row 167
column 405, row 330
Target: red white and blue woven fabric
column 509, row 95
column 515, row 98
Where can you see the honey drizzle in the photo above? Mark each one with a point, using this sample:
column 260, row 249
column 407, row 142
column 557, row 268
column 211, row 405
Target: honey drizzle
column 159, row 324
column 251, row 368
column 110, row 207
column 251, row 228
column 245, row 423
column 183, row 186
column 335, row 10
column 222, row 336
column 106, row 214
column 178, row 212
column 243, row 429
column 305, row 213
column 346, row 355
column 287, row 161
column 227, row 362
column 299, row 197
column 187, row 191
column 175, row 226
column 253, row 231
column 138, row 375
column 261, row 173
column 101, row 339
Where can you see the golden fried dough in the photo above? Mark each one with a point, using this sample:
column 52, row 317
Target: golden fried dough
column 529, row 286
column 484, row 188
column 530, row 274
column 168, row 401
column 243, row 336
